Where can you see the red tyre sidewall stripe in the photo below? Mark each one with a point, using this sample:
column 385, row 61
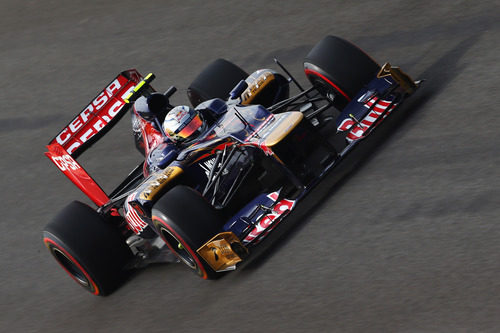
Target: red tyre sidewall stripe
column 187, row 247
column 310, row 71
column 48, row 240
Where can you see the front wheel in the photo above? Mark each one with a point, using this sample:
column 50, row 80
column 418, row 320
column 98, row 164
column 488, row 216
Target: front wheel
column 339, row 69
column 92, row 251
column 185, row 222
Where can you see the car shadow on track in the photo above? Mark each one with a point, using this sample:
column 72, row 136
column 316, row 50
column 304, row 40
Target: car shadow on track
column 438, row 76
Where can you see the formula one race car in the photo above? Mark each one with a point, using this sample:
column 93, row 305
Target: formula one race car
column 219, row 176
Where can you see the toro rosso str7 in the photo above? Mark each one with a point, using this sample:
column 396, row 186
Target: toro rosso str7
column 206, row 201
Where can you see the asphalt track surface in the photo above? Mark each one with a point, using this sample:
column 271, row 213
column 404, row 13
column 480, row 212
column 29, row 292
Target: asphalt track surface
column 407, row 242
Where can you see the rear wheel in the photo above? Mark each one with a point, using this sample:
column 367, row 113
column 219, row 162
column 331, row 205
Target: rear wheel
column 215, row 81
column 339, row 69
column 186, row 221
column 91, row 251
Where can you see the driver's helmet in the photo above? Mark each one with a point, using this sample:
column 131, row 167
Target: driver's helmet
column 183, row 123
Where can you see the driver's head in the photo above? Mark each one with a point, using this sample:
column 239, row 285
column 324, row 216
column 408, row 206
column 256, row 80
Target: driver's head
column 182, row 123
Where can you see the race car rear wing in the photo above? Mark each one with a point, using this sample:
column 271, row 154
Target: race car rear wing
column 96, row 119
column 99, row 116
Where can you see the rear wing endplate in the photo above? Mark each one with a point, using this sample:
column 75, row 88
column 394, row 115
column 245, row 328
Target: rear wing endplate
column 74, row 171
column 95, row 120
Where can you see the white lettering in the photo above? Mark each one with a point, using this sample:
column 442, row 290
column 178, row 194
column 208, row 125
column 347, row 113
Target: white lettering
column 83, row 119
column 56, row 159
column 70, row 162
column 280, row 208
column 114, row 87
column 86, row 113
column 87, row 135
column 100, row 101
column 60, row 140
column 75, row 125
column 65, row 162
column 99, row 125
column 113, row 110
column 73, row 147
column 129, row 90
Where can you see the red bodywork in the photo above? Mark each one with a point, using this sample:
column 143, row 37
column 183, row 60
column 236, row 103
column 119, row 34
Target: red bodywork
column 151, row 137
column 87, row 127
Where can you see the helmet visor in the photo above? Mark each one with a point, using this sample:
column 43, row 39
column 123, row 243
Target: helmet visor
column 190, row 128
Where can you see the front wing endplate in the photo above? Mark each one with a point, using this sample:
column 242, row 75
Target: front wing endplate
column 403, row 79
column 220, row 252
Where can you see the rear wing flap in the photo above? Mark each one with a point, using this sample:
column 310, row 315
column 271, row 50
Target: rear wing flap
column 99, row 116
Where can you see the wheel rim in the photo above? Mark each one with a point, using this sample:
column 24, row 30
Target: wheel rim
column 71, row 267
column 178, row 248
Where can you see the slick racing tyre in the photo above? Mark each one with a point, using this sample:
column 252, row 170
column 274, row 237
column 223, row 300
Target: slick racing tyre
column 186, row 221
column 215, row 81
column 90, row 250
column 339, row 69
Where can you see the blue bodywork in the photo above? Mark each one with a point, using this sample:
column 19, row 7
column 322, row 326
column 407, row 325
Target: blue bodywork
column 377, row 87
column 239, row 125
